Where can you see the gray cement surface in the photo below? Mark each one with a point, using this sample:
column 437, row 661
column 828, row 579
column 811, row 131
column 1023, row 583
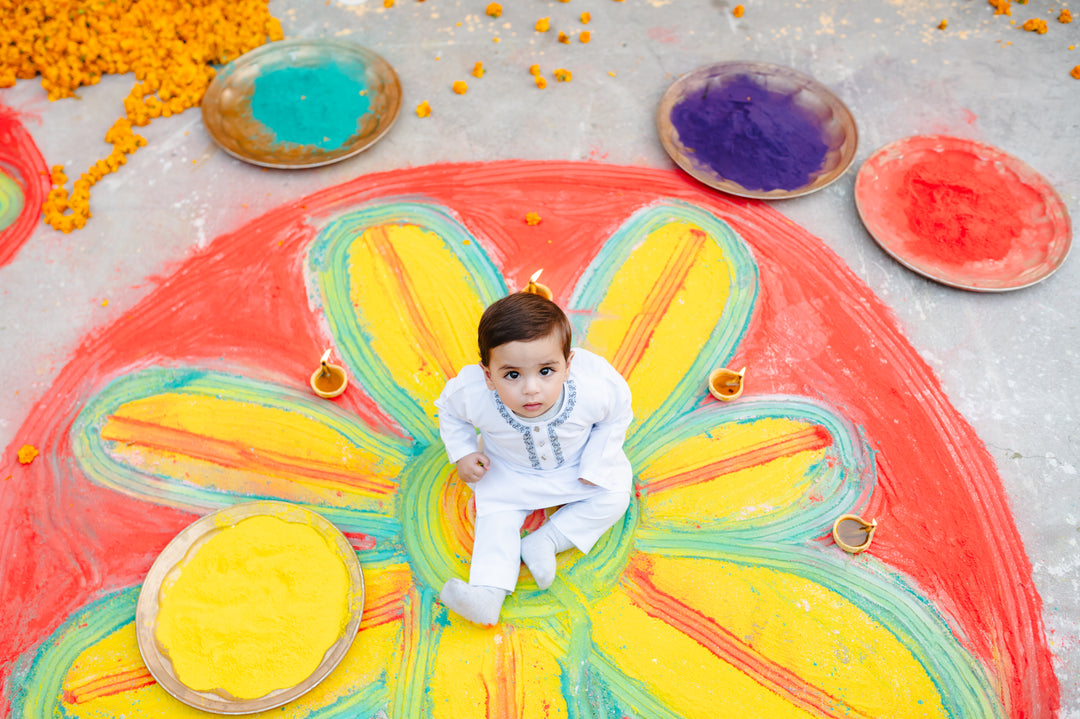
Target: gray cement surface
column 1009, row 362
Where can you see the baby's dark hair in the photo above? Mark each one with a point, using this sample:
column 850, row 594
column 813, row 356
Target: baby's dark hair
column 521, row 317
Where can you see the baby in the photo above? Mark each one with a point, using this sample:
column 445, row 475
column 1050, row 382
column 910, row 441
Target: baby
column 552, row 422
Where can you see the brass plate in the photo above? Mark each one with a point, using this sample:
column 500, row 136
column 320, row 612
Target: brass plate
column 1033, row 255
column 185, row 544
column 838, row 130
column 227, row 105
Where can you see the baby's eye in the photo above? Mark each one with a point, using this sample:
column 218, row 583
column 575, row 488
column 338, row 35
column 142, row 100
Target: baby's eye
column 545, row 371
column 511, row 375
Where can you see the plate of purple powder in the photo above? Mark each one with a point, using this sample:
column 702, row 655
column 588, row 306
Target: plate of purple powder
column 754, row 129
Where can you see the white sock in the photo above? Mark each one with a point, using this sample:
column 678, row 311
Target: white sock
column 538, row 550
column 477, row 603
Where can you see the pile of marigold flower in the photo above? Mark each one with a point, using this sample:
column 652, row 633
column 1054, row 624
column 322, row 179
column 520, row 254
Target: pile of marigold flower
column 169, row 46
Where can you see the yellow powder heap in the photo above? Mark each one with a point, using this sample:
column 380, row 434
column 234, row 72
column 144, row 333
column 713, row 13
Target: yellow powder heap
column 255, row 609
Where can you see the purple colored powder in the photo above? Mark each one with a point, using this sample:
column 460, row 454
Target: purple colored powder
column 753, row 136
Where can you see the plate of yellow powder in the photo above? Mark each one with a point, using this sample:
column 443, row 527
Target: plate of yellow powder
column 250, row 607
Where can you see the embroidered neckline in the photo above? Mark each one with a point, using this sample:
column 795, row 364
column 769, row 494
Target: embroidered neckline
column 525, row 430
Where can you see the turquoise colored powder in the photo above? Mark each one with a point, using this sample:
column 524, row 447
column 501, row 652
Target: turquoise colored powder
column 319, row 106
column 11, row 200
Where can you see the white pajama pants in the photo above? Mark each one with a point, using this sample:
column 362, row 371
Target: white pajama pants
column 496, row 556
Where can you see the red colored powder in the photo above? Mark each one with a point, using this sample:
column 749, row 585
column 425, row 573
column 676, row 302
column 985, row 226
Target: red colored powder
column 963, row 213
column 957, row 207
column 21, row 160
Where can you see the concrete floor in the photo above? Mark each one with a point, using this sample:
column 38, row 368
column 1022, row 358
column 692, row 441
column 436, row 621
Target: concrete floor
column 1007, row 361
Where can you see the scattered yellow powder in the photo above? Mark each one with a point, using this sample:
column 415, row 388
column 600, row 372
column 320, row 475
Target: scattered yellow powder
column 540, row 82
column 564, row 38
column 1076, row 72
column 563, row 75
column 388, row 3
column 255, row 609
column 543, row 24
column 494, row 9
column 460, row 87
column 585, row 18
column 168, row 45
column 943, row 24
column 532, row 218
column 738, row 11
column 1065, row 17
column 423, row 109
column 534, row 70
column 27, row 453
column 585, row 36
column 478, row 69
column 1036, row 25
column 1001, row 7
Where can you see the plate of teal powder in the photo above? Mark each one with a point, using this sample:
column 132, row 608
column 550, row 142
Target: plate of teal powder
column 302, row 103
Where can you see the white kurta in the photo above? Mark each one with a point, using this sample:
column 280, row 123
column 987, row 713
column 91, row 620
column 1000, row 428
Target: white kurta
column 537, row 464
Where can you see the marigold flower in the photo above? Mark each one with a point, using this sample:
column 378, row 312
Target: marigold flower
column 168, row 45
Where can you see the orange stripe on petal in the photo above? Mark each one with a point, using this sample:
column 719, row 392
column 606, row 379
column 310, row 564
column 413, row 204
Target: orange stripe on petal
column 807, row 439
column 661, row 295
column 460, row 511
column 428, row 341
column 727, row 647
column 389, row 608
column 506, row 679
column 107, row 685
column 384, row 600
column 235, row 455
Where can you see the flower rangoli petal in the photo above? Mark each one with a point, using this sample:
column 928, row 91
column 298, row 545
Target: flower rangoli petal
column 201, row 440
column 666, row 299
column 774, row 467
column 403, row 286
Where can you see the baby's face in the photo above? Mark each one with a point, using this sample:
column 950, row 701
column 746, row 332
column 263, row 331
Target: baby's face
column 528, row 376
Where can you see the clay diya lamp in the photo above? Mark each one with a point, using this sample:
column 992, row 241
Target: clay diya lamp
column 853, row 534
column 536, row 288
column 726, row 384
column 329, row 380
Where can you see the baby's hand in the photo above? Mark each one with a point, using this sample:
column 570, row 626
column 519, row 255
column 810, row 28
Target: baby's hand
column 585, row 481
column 472, row 467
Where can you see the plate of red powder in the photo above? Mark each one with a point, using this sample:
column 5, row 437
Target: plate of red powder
column 963, row 213
column 755, row 129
